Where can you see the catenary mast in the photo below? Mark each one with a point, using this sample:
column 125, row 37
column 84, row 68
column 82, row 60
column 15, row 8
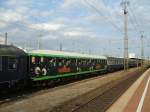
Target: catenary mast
column 125, row 3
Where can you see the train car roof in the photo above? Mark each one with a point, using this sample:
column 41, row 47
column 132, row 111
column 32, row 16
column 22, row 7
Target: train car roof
column 10, row 50
column 63, row 54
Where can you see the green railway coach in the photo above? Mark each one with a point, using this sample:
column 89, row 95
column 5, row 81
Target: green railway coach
column 50, row 65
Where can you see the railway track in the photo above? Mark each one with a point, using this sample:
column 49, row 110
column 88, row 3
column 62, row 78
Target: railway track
column 15, row 95
column 70, row 100
column 101, row 98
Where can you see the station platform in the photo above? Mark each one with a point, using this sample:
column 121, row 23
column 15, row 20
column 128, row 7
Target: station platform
column 136, row 98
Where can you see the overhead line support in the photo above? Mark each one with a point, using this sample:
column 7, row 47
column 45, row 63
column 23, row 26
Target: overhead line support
column 125, row 4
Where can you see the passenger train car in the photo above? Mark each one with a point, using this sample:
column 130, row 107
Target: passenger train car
column 13, row 65
column 18, row 67
column 46, row 64
column 114, row 63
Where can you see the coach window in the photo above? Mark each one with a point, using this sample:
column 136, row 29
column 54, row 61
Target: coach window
column 76, row 62
column 33, row 59
column 55, row 62
column 104, row 61
column 42, row 59
column 12, row 63
column 51, row 60
column 0, row 63
column 60, row 62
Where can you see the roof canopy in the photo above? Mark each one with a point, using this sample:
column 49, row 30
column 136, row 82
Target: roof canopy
column 63, row 54
column 10, row 50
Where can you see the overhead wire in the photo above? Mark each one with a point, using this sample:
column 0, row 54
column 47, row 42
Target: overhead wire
column 132, row 18
column 133, row 14
column 134, row 21
column 101, row 14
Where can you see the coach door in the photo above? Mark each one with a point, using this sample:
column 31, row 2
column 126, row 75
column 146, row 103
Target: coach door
column 1, row 64
column 22, row 67
column 13, row 66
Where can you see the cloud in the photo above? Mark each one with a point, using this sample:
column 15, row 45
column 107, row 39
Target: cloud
column 47, row 26
column 3, row 24
column 79, row 34
column 74, row 33
column 10, row 16
column 18, row 2
column 13, row 13
column 72, row 3
column 69, row 21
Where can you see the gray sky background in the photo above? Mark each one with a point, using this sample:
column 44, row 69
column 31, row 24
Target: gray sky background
column 75, row 24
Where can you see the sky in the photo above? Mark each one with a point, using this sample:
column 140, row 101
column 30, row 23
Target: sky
column 76, row 25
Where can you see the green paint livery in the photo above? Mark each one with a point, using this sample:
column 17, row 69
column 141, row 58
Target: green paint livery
column 64, row 75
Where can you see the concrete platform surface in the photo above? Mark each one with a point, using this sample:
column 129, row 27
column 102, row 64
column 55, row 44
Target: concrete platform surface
column 136, row 98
